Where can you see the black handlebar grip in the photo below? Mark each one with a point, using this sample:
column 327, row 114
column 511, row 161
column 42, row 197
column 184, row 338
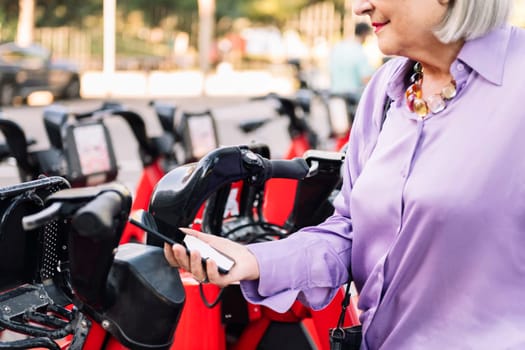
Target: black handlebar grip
column 258, row 98
column 106, row 106
column 95, row 219
column 83, row 115
column 5, row 151
column 296, row 168
column 198, row 114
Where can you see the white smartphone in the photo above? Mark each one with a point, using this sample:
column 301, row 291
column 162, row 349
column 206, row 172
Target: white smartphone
column 208, row 252
column 224, row 263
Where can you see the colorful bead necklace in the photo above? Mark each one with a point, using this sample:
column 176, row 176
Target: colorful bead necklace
column 435, row 103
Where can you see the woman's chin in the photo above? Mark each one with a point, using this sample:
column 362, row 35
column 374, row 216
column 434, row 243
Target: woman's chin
column 388, row 50
column 390, row 47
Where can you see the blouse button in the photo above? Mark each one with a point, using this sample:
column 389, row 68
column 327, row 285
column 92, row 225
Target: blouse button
column 460, row 67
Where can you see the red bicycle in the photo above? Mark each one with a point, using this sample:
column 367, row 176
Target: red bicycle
column 230, row 321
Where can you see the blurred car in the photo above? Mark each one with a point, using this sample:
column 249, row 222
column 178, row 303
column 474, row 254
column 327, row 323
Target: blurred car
column 27, row 69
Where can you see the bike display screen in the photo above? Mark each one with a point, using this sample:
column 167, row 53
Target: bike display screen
column 89, row 154
column 92, row 149
column 202, row 135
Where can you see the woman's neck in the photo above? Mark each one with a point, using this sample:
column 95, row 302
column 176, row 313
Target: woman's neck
column 436, row 66
column 436, row 62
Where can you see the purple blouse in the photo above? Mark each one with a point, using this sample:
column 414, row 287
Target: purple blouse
column 431, row 216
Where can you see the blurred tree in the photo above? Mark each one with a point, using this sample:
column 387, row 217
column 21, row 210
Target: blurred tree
column 269, row 11
column 230, row 8
column 276, row 11
column 8, row 20
column 155, row 11
column 56, row 13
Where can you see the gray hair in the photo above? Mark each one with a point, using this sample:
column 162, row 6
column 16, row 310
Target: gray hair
column 469, row 19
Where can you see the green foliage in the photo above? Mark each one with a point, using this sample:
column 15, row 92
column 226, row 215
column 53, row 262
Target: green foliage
column 8, row 20
column 155, row 11
column 230, row 8
column 56, row 13
column 51, row 13
column 273, row 9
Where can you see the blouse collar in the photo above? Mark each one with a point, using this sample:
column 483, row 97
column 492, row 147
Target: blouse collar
column 486, row 55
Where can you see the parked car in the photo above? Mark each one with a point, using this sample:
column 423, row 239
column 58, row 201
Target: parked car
column 26, row 69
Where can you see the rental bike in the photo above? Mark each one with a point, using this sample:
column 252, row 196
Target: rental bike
column 232, row 323
column 65, row 281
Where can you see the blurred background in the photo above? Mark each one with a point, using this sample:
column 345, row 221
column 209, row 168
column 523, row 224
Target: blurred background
column 194, row 54
column 164, row 34
column 199, row 36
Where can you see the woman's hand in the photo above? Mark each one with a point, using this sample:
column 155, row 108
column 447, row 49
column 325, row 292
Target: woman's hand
column 245, row 267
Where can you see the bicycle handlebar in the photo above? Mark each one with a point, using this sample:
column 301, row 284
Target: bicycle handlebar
column 17, row 142
column 181, row 192
column 287, row 107
column 166, row 116
column 92, row 209
column 296, row 168
column 96, row 218
column 107, row 106
column 252, row 125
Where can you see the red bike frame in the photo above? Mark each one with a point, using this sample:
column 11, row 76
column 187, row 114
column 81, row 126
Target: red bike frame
column 151, row 174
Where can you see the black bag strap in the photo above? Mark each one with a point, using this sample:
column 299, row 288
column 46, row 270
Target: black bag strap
column 386, row 107
column 346, row 299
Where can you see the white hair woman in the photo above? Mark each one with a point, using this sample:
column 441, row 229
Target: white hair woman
column 431, row 215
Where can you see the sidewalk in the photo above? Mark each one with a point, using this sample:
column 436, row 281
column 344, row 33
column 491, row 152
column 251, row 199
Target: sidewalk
column 182, row 84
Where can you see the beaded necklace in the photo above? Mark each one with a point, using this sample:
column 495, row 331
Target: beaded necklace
column 435, row 103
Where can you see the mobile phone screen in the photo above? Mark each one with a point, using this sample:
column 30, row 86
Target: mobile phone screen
column 224, row 263
column 208, row 252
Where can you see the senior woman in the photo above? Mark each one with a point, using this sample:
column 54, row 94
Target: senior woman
column 431, row 216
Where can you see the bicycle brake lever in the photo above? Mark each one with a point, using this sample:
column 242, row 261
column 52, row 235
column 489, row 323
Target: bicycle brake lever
column 33, row 221
column 314, row 169
column 52, row 212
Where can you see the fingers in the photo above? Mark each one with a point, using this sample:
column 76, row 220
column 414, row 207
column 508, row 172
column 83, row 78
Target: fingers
column 168, row 253
column 177, row 256
column 197, row 268
column 222, row 244
column 214, row 276
column 246, row 266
